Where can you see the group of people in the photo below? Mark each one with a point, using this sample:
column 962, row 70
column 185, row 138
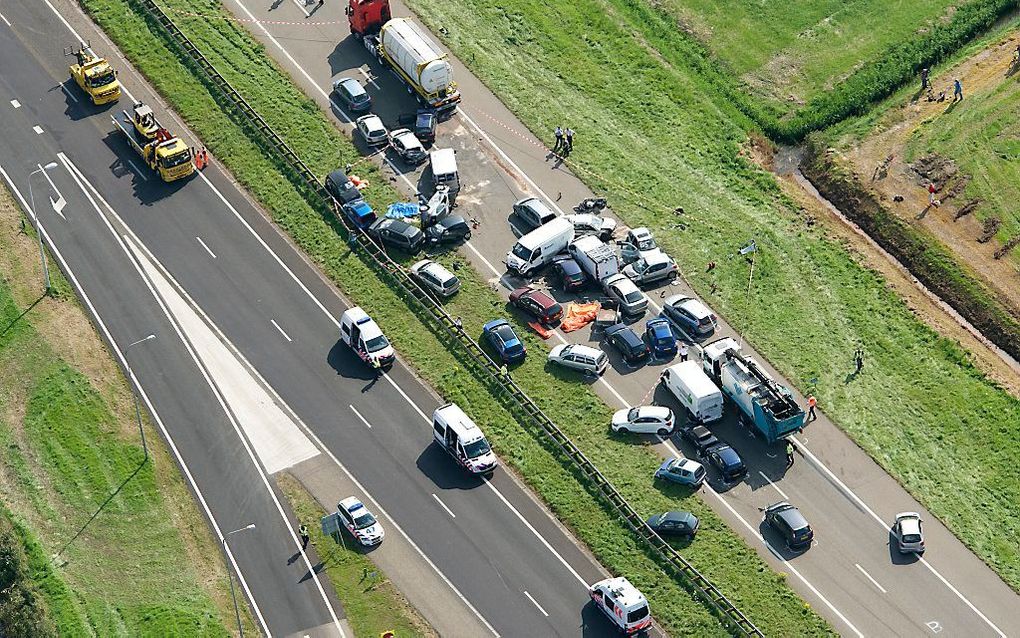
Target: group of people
column 564, row 141
column 926, row 87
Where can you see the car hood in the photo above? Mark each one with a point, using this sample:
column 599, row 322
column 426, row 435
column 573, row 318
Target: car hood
column 620, row 416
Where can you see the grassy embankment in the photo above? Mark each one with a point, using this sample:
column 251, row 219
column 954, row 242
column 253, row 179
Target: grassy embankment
column 660, row 140
column 373, row 605
column 719, row 552
column 836, row 59
column 147, row 565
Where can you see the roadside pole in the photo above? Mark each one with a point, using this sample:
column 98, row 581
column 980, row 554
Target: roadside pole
column 230, row 576
column 38, row 223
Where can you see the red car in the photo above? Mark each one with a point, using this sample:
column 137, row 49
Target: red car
column 537, row 304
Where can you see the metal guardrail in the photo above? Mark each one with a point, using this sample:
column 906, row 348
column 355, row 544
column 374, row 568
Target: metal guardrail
column 446, row 328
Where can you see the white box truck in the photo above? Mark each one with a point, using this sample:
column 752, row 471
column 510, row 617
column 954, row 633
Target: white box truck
column 536, row 250
column 594, row 257
column 694, row 390
column 443, row 162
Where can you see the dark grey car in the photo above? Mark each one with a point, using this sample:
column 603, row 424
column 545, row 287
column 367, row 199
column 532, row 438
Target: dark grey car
column 397, row 234
column 533, row 213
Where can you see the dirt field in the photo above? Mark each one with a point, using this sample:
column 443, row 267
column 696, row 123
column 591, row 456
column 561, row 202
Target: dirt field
column 910, row 134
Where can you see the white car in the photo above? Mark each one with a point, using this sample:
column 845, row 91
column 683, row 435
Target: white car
column 588, row 224
column 361, row 524
column 637, row 242
column 582, row 358
column 646, row 419
column 652, row 266
column 909, row 536
column 625, row 292
column 372, row 130
column 408, row 147
column 435, row 277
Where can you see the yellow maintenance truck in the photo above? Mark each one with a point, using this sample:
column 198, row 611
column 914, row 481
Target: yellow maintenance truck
column 94, row 75
column 162, row 151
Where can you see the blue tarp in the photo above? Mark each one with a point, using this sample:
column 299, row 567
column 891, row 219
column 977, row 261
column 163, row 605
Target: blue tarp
column 401, row 210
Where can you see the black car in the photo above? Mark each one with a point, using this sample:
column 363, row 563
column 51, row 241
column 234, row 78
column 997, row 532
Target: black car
column 728, row 462
column 397, row 234
column 701, row 438
column 422, row 124
column 570, row 274
column 675, row 524
column 341, row 187
column 353, row 95
column 627, row 342
column 790, row 524
column 448, row 230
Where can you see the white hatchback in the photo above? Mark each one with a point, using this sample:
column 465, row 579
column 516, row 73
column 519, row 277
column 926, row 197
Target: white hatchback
column 646, row 419
column 909, row 536
column 372, row 130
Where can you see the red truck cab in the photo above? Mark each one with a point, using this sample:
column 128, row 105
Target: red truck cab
column 366, row 17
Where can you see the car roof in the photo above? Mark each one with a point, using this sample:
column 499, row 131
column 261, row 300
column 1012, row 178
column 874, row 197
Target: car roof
column 352, row 85
column 640, row 232
column 655, row 256
column 535, row 203
column 623, row 282
column 568, row 266
column 541, row 297
column 626, row 333
column 432, row 267
column 580, row 348
column 679, row 516
column 653, row 409
column 793, row 517
column 339, row 177
column 701, row 431
column 452, row 220
column 658, row 324
column 495, row 323
column 727, row 454
column 351, row 503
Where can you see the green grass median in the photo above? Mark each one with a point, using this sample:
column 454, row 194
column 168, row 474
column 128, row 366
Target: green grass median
column 719, row 553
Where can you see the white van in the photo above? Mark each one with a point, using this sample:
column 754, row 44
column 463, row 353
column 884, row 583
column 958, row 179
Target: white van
column 456, row 433
column 694, row 390
column 624, row 605
column 537, row 249
column 364, row 337
column 444, row 169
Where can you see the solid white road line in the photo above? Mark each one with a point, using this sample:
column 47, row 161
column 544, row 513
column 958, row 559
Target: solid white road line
column 368, row 77
column 849, row 493
column 65, row 267
column 38, row 129
column 441, row 503
column 301, row 6
column 781, row 493
column 757, row 534
column 69, row 93
column 535, row 603
column 211, row 253
column 16, row 104
column 873, row 581
column 92, row 191
column 6, row 21
column 363, row 419
column 277, row 326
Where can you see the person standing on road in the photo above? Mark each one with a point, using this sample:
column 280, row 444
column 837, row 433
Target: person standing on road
column 957, row 90
column 924, row 79
column 304, row 536
column 568, row 146
column 789, row 454
column 683, row 351
column 811, row 403
column 558, row 133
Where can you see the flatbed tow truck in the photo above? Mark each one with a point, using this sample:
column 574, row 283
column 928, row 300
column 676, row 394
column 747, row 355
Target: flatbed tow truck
column 161, row 150
column 94, row 75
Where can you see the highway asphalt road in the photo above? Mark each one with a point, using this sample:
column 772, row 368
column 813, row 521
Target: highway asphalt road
column 851, row 575
column 247, row 378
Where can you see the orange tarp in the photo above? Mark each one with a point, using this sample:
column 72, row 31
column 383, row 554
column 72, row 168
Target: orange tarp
column 579, row 315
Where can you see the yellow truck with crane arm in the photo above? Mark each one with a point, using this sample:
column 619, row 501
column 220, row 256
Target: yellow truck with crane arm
column 161, row 150
column 94, row 75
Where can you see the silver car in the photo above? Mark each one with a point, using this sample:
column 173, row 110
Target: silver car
column 909, row 536
column 581, row 358
column 652, row 266
column 625, row 292
column 588, row 224
column 435, row 277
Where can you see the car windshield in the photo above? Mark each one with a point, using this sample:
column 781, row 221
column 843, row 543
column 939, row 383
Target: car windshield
column 729, row 456
column 176, row 159
column 476, row 449
column 363, row 520
column 376, row 343
column 424, row 120
column 640, row 266
column 911, row 538
column 637, row 614
column 661, row 331
column 632, row 297
column 634, row 414
column 506, row 334
column 521, row 252
column 102, row 79
column 645, row 243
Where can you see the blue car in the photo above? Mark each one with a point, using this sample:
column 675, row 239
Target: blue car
column 500, row 334
column 359, row 213
column 660, row 338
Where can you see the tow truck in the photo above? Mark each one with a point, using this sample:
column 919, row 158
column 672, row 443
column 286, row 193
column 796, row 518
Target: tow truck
column 94, row 75
column 162, row 151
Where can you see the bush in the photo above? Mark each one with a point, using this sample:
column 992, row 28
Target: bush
column 23, row 612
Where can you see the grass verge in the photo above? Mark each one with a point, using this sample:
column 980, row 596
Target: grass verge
column 720, row 554
column 660, row 140
column 146, row 565
column 372, row 603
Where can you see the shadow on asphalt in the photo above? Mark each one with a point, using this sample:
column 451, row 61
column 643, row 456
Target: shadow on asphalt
column 347, row 364
column 778, row 543
column 443, row 471
column 147, row 186
column 594, row 623
column 895, row 557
